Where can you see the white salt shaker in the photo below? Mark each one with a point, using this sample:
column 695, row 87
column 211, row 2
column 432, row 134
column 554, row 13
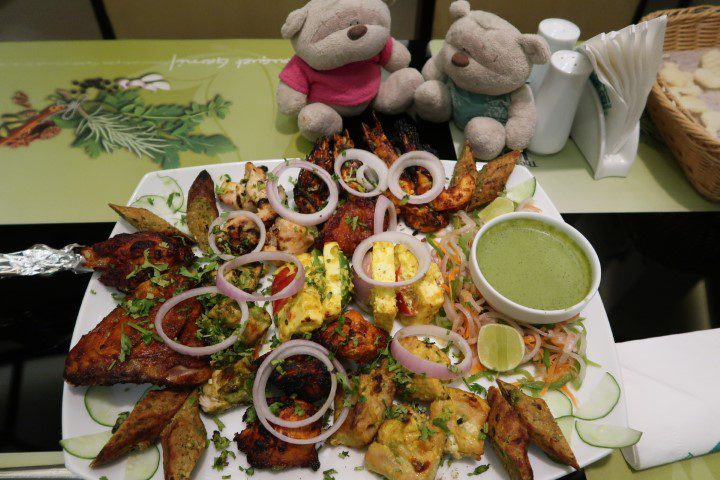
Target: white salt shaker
column 560, row 34
column 557, row 100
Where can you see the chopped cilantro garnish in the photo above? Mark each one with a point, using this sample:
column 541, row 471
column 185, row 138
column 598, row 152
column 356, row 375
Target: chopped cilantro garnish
column 218, row 422
column 329, row 474
column 220, row 442
column 479, row 469
column 125, row 347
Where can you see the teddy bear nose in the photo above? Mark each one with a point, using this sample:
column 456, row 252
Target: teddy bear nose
column 460, row 60
column 357, row 32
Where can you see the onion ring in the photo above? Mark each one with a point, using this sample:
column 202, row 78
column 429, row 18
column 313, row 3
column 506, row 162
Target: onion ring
column 361, row 176
column 265, row 370
column 426, row 367
column 222, row 220
column 382, row 205
column 422, row 254
column 304, row 219
column 196, row 351
column 368, row 160
column 417, row 158
column 296, row 347
column 227, row 288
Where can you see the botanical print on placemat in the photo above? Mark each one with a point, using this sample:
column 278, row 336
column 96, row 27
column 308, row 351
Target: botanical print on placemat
column 108, row 115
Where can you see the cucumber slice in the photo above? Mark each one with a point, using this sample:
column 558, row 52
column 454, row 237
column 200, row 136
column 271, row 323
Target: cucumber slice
column 157, row 204
column 558, row 403
column 142, row 465
column 521, row 192
column 87, row 446
column 175, row 197
column 602, row 400
column 607, row 436
column 100, row 404
column 566, row 425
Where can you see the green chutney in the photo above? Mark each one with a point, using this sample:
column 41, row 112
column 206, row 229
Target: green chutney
column 534, row 264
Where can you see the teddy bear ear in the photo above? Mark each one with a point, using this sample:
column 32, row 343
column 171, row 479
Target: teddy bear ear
column 294, row 23
column 459, row 9
column 536, row 48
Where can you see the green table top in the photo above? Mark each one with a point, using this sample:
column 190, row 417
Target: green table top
column 52, row 181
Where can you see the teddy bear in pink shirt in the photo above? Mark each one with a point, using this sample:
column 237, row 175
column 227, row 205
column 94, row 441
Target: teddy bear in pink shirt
column 341, row 47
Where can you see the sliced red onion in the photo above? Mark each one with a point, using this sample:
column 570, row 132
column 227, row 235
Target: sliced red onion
column 426, row 367
column 530, row 354
column 417, row 158
column 363, row 289
column 227, row 288
column 221, row 220
column 421, row 252
column 363, row 179
column 290, row 348
column 197, row 351
column 304, row 219
column 382, row 205
column 368, row 160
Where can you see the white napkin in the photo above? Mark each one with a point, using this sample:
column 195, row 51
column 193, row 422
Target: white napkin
column 626, row 62
column 672, row 390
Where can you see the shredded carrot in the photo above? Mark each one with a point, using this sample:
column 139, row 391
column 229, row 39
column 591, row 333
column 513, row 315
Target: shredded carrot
column 567, row 392
column 456, row 259
column 445, row 287
column 442, row 249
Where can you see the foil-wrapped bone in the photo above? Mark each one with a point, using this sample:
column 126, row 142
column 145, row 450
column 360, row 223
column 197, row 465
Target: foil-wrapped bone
column 42, row 260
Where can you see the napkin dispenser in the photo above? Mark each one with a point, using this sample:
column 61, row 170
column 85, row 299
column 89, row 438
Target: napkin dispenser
column 606, row 127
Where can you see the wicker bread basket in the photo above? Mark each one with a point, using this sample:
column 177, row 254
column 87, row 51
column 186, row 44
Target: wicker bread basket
column 696, row 150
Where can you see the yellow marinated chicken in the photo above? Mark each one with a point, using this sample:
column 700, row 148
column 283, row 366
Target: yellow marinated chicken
column 419, row 387
column 375, row 391
column 420, row 302
column 407, row 448
column 464, row 416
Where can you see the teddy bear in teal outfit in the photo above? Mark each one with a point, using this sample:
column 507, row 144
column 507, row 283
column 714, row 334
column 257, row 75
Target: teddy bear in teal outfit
column 478, row 79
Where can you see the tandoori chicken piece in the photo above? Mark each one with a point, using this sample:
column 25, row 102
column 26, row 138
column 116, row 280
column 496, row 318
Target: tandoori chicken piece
column 540, row 424
column 420, row 387
column 455, row 198
column 372, row 394
column 201, row 209
column 183, row 441
column 407, row 448
column 350, row 224
column 264, row 450
column 122, row 349
column 379, row 142
column 237, row 236
column 144, row 424
column 128, row 259
column 492, row 179
column 508, row 436
column 310, row 192
column 351, row 337
column 422, row 218
column 250, row 193
column 290, row 237
column 301, row 375
column 464, row 415
column 348, row 170
column 465, row 165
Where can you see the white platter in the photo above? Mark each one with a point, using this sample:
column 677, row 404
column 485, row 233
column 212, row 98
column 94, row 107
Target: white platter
column 98, row 302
